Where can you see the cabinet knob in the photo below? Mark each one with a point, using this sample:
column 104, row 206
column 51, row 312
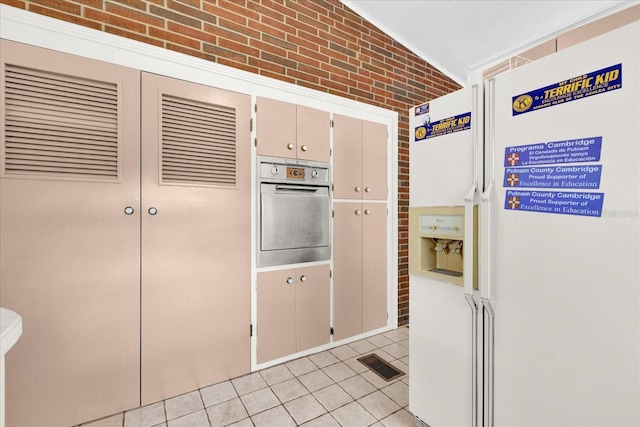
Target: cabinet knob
column 128, row 210
column 303, row 278
column 303, row 148
column 153, row 211
column 367, row 189
column 358, row 212
column 290, row 146
column 357, row 189
column 367, row 212
column 290, row 281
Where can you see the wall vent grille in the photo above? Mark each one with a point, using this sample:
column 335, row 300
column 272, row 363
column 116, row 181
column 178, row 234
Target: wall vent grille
column 59, row 125
column 198, row 142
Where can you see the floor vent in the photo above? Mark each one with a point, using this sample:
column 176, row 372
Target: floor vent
column 380, row 367
column 420, row 423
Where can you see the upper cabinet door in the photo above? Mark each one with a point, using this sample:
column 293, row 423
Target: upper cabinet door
column 374, row 161
column 360, row 160
column 313, row 134
column 292, row 131
column 347, row 158
column 276, row 128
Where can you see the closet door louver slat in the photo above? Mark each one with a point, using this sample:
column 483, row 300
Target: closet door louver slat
column 198, row 142
column 60, row 126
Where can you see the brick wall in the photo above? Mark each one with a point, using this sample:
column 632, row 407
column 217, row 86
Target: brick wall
column 319, row 44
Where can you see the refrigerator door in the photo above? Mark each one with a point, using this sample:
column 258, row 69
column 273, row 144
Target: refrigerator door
column 560, row 269
column 443, row 341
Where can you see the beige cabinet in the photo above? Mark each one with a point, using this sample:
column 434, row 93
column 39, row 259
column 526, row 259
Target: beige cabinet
column 128, row 260
column 292, row 131
column 293, row 311
column 196, row 241
column 70, row 235
column 359, row 159
column 360, row 268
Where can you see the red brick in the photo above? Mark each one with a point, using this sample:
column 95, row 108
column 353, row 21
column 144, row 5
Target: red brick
column 135, row 15
column 280, row 25
column 261, row 46
column 277, row 76
column 220, row 51
column 301, row 8
column 60, row 5
column 266, row 29
column 187, row 51
column 64, row 17
column 224, row 33
column 136, row 4
column 15, row 3
column 313, row 54
column 238, row 28
column 134, row 36
column 221, row 12
column 191, row 32
column 184, row 9
column 238, row 47
column 177, row 17
column 302, row 43
column 174, row 38
column 300, row 76
column 240, row 66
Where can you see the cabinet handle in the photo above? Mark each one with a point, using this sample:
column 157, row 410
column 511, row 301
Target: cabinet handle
column 367, row 212
column 303, row 148
column 357, row 189
column 358, row 212
column 367, row 189
column 290, row 146
column 153, row 211
column 303, row 278
column 290, row 281
column 128, row 210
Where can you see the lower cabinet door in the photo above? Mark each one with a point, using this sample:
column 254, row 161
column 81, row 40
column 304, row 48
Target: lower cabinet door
column 312, row 306
column 276, row 327
column 347, row 266
column 360, row 268
column 374, row 266
column 293, row 311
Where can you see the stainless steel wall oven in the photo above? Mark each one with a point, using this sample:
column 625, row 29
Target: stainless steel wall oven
column 294, row 211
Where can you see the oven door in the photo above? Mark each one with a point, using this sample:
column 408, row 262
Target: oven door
column 295, row 223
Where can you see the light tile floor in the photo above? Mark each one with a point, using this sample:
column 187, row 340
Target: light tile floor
column 327, row 389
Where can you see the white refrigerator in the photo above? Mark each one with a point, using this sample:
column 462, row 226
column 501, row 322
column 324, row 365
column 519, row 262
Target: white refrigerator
column 532, row 180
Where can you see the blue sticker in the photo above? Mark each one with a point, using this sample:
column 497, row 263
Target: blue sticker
column 583, row 176
column 422, row 109
column 555, row 202
column 548, row 153
column 443, row 127
column 583, row 86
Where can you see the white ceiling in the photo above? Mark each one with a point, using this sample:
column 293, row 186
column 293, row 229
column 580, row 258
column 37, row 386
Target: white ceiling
column 456, row 36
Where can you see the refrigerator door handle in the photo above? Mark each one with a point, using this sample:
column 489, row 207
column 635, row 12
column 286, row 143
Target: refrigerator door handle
column 470, row 224
column 489, row 357
column 469, row 241
column 474, row 359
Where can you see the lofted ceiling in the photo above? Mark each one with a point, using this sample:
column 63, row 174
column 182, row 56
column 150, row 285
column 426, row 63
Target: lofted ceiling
column 456, row 36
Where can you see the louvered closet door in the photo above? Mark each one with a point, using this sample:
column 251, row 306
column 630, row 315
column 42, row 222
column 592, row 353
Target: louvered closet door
column 196, row 247
column 69, row 255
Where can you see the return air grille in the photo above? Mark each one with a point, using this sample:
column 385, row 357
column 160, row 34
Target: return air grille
column 59, row 125
column 198, row 142
column 378, row 365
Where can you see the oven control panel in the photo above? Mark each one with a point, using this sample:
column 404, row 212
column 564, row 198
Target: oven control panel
column 279, row 170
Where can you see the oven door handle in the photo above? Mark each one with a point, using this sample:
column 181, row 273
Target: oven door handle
column 295, row 188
